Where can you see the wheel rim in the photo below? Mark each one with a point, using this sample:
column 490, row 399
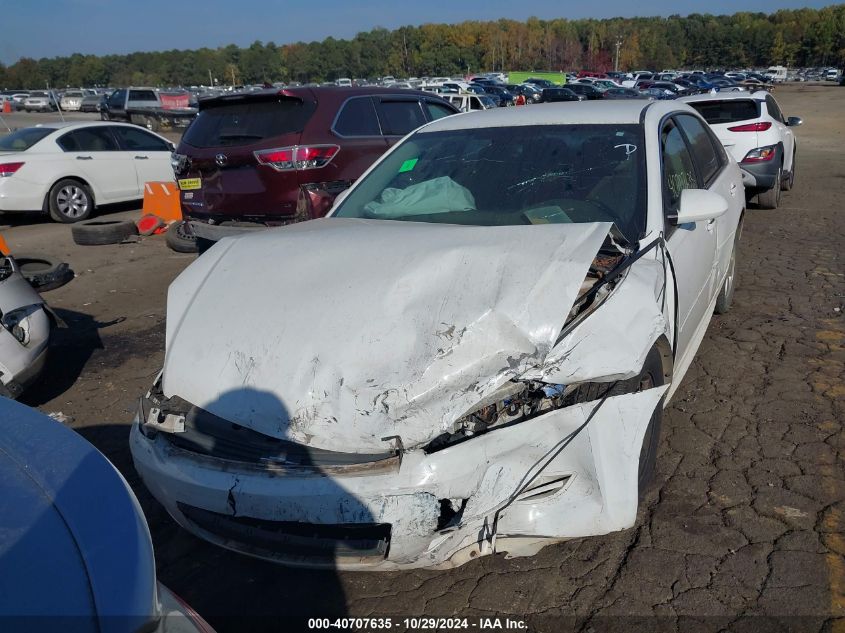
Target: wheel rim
column 72, row 201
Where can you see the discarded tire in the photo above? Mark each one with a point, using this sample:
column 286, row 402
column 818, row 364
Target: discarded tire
column 43, row 274
column 99, row 232
column 179, row 239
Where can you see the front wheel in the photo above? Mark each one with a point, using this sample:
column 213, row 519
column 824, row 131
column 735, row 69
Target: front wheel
column 650, row 377
column 70, row 201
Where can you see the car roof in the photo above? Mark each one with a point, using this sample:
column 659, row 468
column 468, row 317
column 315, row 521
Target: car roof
column 594, row 112
column 316, row 93
column 723, row 96
column 73, row 125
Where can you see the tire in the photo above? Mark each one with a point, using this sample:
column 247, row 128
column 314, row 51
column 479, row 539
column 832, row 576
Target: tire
column 70, row 201
column 99, row 232
column 789, row 183
column 651, row 376
column 771, row 199
column 179, row 240
column 42, row 273
column 152, row 124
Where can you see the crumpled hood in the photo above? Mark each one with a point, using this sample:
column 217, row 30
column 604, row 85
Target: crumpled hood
column 344, row 333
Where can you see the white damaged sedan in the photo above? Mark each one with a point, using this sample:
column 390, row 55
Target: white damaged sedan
column 470, row 355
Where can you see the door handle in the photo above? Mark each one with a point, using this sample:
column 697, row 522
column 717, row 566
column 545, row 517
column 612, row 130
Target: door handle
column 141, row 157
column 84, row 158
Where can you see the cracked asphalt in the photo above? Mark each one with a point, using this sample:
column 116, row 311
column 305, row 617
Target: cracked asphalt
column 743, row 529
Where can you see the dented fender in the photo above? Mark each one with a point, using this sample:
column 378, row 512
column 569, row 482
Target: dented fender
column 612, row 343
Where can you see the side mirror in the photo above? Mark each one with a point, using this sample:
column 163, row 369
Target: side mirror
column 700, row 204
column 794, row 121
column 172, row 146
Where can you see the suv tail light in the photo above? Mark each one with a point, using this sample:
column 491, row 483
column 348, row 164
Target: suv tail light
column 761, row 154
column 752, row 127
column 298, row 157
column 7, row 169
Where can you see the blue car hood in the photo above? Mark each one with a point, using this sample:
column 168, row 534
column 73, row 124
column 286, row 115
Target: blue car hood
column 73, row 539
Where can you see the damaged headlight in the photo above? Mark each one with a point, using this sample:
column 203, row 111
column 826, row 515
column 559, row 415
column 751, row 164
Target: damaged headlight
column 515, row 402
column 518, row 401
column 17, row 322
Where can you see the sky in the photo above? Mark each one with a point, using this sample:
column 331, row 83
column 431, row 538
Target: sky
column 50, row 28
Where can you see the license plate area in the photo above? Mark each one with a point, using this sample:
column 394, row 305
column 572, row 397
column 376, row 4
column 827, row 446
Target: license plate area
column 190, row 184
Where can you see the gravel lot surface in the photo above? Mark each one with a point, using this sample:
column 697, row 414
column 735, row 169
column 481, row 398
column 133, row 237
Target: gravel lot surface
column 743, row 530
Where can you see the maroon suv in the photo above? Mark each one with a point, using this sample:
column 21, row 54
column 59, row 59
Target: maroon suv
column 269, row 158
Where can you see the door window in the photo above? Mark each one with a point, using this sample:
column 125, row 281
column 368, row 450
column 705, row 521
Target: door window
column 358, row 118
column 117, row 98
column 437, row 110
column 702, row 148
column 401, row 117
column 136, row 139
column 89, row 139
column 678, row 168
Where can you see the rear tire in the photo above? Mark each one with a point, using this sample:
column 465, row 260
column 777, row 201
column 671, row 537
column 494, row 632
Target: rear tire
column 726, row 294
column 771, row 199
column 789, row 183
column 70, row 201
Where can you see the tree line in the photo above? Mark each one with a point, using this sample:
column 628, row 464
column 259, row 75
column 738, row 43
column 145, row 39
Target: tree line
column 800, row 37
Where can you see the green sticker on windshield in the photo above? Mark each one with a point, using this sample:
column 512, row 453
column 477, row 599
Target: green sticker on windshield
column 408, row 165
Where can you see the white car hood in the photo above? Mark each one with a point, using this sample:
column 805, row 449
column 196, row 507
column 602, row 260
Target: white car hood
column 344, row 333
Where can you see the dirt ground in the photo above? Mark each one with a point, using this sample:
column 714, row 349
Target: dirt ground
column 743, row 530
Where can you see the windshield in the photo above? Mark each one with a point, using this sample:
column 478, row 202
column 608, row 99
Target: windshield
column 22, row 140
column 509, row 176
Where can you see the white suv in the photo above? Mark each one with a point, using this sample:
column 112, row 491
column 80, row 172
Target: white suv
column 759, row 137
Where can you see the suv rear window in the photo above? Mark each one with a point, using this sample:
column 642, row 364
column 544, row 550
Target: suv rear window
column 728, row 111
column 247, row 122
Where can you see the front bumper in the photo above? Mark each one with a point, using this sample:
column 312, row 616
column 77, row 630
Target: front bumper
column 507, row 490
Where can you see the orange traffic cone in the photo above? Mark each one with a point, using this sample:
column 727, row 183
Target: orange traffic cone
column 7, row 107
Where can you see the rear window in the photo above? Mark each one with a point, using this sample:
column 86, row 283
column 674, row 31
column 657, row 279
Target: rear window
column 142, row 95
column 729, row 111
column 22, row 140
column 247, row 122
